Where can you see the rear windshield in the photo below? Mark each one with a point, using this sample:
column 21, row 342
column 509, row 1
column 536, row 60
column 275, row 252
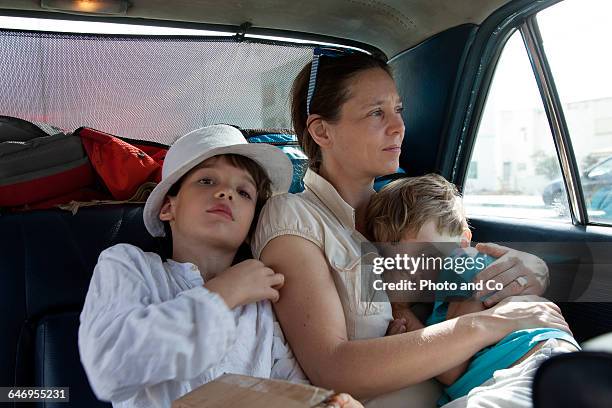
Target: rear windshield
column 146, row 87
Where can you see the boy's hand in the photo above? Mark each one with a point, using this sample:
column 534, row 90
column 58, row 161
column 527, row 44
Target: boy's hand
column 404, row 320
column 397, row 326
column 246, row 282
column 342, row 401
column 406, row 314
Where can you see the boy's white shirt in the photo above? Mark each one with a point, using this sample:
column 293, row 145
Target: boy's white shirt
column 150, row 332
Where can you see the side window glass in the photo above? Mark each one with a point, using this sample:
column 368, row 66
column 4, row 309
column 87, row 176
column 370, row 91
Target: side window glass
column 576, row 36
column 514, row 170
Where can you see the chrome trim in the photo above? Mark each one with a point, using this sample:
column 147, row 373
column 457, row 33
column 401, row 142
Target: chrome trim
column 556, row 119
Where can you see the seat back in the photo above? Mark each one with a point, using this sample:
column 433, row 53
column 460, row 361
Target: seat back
column 47, row 259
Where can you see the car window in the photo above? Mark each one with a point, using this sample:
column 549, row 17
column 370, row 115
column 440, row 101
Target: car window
column 145, row 87
column 581, row 64
column 514, row 170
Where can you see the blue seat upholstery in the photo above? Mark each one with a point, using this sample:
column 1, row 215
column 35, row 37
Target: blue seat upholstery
column 46, row 262
column 288, row 143
column 382, row 181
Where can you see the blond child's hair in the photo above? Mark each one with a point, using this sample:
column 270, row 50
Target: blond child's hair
column 405, row 205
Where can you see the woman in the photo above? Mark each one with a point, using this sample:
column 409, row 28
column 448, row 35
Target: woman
column 350, row 126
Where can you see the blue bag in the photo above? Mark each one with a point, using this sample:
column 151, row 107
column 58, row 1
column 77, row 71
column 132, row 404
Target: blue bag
column 288, row 143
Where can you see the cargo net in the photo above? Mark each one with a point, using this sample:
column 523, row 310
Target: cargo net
column 148, row 88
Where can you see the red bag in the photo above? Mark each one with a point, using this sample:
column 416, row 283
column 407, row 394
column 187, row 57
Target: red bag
column 122, row 166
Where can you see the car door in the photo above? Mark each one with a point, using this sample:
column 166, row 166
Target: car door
column 526, row 111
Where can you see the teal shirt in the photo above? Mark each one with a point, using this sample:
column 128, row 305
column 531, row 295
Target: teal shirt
column 497, row 357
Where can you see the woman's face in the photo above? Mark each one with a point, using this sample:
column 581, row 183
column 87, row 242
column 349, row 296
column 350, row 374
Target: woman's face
column 367, row 138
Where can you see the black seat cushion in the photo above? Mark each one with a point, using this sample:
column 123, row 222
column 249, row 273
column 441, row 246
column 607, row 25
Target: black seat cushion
column 57, row 362
column 582, row 379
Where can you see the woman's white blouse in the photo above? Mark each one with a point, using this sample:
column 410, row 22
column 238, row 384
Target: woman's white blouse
column 321, row 216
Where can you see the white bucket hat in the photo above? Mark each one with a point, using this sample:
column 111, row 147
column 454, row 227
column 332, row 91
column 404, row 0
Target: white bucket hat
column 201, row 144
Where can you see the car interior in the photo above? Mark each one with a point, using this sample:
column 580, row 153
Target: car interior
column 201, row 62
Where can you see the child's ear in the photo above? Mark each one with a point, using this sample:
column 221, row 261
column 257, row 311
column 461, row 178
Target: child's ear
column 166, row 212
column 318, row 130
column 466, row 238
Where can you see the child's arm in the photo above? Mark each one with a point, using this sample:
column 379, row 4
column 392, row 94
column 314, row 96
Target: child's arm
column 129, row 339
column 456, row 309
column 405, row 321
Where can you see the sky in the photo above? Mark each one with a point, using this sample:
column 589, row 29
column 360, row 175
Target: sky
column 576, row 35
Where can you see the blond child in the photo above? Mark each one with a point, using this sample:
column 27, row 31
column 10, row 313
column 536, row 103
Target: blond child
column 428, row 209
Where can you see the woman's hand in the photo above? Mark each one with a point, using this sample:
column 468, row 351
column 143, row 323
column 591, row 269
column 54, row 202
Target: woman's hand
column 520, row 273
column 526, row 312
column 342, row 401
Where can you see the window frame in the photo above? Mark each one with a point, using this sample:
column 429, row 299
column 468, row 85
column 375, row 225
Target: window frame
column 482, row 57
column 532, row 39
column 241, row 33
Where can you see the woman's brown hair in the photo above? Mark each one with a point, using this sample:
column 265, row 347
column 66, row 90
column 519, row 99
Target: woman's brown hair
column 330, row 93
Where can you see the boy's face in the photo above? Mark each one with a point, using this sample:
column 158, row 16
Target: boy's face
column 427, row 242
column 215, row 205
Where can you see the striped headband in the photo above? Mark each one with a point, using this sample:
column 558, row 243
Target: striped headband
column 314, row 68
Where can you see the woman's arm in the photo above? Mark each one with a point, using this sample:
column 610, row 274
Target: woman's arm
column 456, row 309
column 403, row 314
column 312, row 318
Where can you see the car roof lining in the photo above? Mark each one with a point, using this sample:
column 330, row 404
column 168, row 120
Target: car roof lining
column 389, row 25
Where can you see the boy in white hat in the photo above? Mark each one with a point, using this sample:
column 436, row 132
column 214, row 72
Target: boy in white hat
column 153, row 330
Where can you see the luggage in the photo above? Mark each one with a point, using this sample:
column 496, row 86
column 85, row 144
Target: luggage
column 40, row 164
column 122, row 167
column 288, row 143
